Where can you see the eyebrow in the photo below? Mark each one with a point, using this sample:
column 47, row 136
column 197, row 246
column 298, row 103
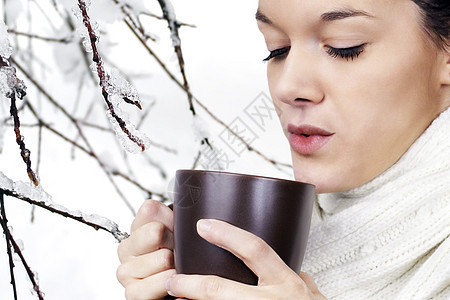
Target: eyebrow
column 343, row 14
column 262, row 17
column 325, row 17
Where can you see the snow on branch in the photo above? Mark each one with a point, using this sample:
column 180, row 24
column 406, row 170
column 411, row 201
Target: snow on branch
column 38, row 196
column 12, row 88
column 115, row 89
column 169, row 15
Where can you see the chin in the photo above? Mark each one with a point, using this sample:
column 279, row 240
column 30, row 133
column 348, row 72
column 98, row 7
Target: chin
column 302, row 177
column 325, row 184
column 321, row 187
column 323, row 180
column 325, row 176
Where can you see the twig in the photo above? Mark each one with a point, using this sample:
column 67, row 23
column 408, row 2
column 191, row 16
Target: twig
column 196, row 160
column 125, row 8
column 169, row 15
column 163, row 147
column 95, row 126
column 78, row 95
column 249, row 148
column 4, row 224
column 93, row 155
column 90, row 153
column 213, row 116
column 43, row 12
column 18, row 251
column 86, row 116
column 77, row 126
column 50, row 98
column 150, row 193
column 180, row 24
column 144, row 116
column 24, row 152
column 35, row 36
column 11, row 124
column 156, row 165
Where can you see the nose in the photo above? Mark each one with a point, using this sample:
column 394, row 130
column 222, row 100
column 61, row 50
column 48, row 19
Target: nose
column 295, row 80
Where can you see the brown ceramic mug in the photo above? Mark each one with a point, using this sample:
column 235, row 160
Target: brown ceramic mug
column 277, row 210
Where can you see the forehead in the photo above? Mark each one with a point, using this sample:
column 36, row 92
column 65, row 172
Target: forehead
column 298, row 10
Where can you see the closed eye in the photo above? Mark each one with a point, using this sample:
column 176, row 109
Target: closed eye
column 346, row 53
column 278, row 53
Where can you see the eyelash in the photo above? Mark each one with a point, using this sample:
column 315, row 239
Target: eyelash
column 344, row 53
column 277, row 54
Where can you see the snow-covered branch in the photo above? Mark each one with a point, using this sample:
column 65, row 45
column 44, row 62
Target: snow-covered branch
column 62, row 115
column 37, row 196
column 114, row 88
column 12, row 88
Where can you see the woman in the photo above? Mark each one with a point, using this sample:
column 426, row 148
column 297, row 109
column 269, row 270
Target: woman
column 362, row 89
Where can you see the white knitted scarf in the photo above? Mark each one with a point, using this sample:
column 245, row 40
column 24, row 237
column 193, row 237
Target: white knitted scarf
column 390, row 238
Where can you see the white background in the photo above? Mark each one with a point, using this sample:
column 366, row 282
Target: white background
column 223, row 57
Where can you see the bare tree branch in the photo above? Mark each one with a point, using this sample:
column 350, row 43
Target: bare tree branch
column 35, row 36
column 7, row 233
column 18, row 251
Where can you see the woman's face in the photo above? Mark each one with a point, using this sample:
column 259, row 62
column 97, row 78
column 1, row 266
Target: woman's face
column 355, row 82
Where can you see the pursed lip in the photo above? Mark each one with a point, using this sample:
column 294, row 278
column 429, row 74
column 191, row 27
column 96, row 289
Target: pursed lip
column 307, row 130
column 307, row 139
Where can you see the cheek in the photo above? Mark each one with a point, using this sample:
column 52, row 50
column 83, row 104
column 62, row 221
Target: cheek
column 381, row 112
column 387, row 92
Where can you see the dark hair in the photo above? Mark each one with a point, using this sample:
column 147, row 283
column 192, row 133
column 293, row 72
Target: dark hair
column 436, row 20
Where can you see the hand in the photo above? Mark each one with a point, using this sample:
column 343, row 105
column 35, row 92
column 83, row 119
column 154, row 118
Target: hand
column 276, row 279
column 147, row 255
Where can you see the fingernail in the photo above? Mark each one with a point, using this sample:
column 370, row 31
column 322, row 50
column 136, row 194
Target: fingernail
column 204, row 225
column 168, row 282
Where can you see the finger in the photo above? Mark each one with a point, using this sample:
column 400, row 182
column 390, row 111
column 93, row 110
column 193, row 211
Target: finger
column 147, row 238
column 252, row 250
column 309, row 281
column 153, row 287
column 145, row 265
column 153, row 211
column 209, row 287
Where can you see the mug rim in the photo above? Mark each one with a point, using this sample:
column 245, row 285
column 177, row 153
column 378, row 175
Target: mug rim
column 245, row 175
